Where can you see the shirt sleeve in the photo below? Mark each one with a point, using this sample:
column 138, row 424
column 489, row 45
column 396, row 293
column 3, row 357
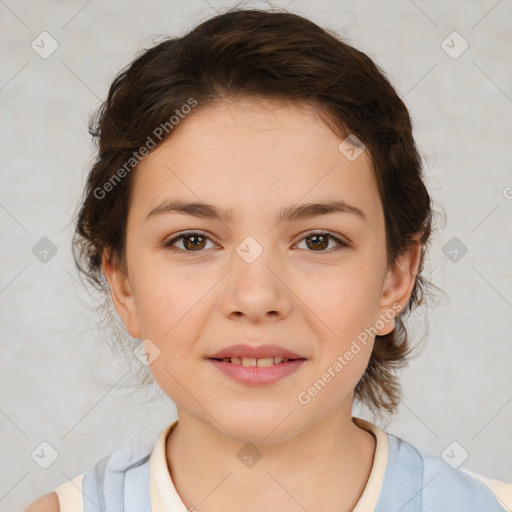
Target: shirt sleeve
column 70, row 495
column 501, row 490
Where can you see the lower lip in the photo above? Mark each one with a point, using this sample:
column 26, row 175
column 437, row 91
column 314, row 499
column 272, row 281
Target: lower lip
column 258, row 375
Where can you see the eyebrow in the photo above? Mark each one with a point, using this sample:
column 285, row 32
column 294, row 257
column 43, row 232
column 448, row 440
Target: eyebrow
column 288, row 214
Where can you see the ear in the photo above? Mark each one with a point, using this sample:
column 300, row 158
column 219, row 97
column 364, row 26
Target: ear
column 122, row 295
column 398, row 285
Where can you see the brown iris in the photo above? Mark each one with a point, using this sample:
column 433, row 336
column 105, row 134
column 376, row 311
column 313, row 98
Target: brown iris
column 195, row 244
column 324, row 241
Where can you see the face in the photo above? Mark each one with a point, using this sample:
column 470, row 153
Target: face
column 312, row 282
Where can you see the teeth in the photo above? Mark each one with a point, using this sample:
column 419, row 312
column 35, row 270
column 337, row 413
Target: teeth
column 250, row 361
column 268, row 361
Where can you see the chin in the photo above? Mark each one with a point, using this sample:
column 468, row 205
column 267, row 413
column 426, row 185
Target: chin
column 260, row 424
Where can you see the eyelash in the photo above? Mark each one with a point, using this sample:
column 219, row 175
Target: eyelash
column 341, row 244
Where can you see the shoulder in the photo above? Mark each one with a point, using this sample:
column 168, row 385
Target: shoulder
column 124, row 473
column 456, row 487
column 436, row 484
column 122, row 460
column 47, row 503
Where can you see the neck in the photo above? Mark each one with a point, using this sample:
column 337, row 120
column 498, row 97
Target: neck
column 323, row 467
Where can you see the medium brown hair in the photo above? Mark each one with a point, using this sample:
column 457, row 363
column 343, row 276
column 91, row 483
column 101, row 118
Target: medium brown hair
column 261, row 54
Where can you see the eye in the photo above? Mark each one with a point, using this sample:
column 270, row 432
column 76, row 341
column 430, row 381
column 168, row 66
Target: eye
column 193, row 241
column 319, row 241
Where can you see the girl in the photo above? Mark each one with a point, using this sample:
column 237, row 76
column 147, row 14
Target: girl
column 257, row 213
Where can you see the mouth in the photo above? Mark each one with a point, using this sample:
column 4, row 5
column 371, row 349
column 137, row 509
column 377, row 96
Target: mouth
column 256, row 365
column 260, row 362
column 257, row 371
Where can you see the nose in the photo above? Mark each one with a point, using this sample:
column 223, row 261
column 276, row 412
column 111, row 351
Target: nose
column 256, row 286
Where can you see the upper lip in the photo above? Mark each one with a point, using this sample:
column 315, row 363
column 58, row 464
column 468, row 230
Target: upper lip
column 259, row 352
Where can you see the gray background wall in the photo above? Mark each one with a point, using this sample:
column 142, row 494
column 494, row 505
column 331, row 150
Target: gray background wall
column 60, row 383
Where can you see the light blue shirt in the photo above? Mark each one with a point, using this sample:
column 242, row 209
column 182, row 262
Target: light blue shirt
column 413, row 482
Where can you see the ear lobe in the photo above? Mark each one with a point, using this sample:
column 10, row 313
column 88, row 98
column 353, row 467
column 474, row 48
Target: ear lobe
column 398, row 286
column 121, row 292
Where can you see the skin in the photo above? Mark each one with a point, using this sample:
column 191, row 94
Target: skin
column 257, row 157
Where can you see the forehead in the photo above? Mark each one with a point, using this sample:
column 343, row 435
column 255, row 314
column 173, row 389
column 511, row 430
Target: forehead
column 253, row 153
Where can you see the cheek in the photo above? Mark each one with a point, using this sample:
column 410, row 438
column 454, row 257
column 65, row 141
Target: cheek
column 167, row 298
column 346, row 298
column 172, row 308
column 343, row 312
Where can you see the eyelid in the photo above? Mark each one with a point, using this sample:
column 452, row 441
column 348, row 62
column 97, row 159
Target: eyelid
column 334, row 236
column 181, row 234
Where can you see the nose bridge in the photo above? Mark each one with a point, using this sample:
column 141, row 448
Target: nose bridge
column 256, row 258
column 256, row 235
column 256, row 252
column 251, row 248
